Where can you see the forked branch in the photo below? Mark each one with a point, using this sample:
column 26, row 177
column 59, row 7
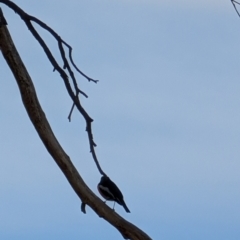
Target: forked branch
column 73, row 92
column 234, row 5
column 43, row 128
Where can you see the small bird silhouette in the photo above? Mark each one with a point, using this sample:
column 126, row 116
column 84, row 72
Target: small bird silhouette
column 109, row 190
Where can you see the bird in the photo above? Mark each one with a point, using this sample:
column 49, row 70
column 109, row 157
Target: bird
column 109, row 190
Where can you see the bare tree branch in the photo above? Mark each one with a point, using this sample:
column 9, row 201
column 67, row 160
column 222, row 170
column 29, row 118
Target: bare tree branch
column 28, row 19
column 43, row 128
column 234, row 5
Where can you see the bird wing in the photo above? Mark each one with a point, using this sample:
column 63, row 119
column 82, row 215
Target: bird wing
column 106, row 192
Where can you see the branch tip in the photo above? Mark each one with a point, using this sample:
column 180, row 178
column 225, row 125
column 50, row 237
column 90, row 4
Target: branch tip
column 83, row 207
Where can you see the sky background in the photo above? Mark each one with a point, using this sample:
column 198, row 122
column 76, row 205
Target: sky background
column 166, row 120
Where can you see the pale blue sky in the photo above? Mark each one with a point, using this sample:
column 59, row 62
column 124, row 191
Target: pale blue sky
column 166, row 120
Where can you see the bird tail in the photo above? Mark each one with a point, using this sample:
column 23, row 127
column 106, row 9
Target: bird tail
column 125, row 207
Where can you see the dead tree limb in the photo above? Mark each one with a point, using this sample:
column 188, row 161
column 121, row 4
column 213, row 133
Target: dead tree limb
column 65, row 75
column 43, row 128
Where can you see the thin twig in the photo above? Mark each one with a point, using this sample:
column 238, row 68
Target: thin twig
column 43, row 128
column 70, row 113
column 74, row 96
column 233, row 3
column 77, row 69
